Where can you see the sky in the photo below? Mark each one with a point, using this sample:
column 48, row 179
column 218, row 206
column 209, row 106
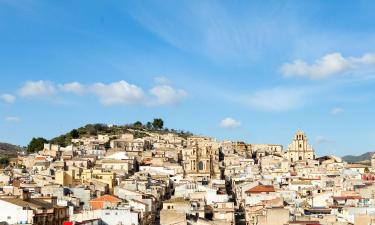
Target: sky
column 254, row 71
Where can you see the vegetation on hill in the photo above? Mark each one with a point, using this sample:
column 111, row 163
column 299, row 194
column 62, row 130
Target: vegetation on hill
column 4, row 161
column 9, row 150
column 138, row 129
column 366, row 157
column 36, row 144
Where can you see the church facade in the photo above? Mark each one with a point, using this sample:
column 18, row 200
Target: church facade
column 201, row 160
column 300, row 149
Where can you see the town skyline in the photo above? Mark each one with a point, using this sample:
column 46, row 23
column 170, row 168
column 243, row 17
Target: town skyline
column 231, row 71
column 190, row 112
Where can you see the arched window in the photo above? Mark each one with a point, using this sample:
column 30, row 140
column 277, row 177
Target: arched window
column 200, row 165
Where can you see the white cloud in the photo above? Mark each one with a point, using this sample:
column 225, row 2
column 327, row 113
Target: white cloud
column 276, row 99
column 37, row 88
column 328, row 65
column 211, row 29
column 337, row 110
column 12, row 119
column 118, row 93
column 229, row 123
column 73, row 87
column 322, row 140
column 166, row 95
column 8, row 98
column 161, row 80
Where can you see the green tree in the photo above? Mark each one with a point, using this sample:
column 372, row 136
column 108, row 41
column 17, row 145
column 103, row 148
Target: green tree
column 36, row 144
column 91, row 129
column 74, row 133
column 149, row 125
column 4, row 161
column 158, row 123
column 138, row 124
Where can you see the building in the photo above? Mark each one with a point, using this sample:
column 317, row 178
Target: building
column 373, row 162
column 201, row 162
column 104, row 202
column 300, row 149
column 26, row 210
column 101, row 176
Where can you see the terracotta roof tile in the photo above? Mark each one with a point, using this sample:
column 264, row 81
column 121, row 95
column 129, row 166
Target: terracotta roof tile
column 106, row 198
column 261, row 189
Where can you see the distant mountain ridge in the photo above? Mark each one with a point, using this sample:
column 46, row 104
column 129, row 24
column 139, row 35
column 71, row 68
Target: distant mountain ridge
column 364, row 158
column 9, row 150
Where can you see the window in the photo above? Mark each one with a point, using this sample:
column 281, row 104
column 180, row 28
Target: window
column 200, row 165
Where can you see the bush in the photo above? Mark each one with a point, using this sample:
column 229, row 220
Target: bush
column 36, row 144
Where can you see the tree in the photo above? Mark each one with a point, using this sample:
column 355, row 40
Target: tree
column 74, row 133
column 149, row 125
column 36, row 144
column 91, row 129
column 138, row 124
column 158, row 123
column 4, row 161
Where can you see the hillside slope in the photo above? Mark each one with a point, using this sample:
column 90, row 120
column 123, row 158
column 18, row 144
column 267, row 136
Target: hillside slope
column 9, row 150
column 138, row 131
column 366, row 157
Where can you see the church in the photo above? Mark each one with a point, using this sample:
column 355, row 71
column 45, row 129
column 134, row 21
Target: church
column 300, row 149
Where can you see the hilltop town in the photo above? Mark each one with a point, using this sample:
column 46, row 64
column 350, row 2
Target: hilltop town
column 146, row 174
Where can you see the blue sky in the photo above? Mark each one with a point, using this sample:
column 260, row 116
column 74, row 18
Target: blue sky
column 241, row 70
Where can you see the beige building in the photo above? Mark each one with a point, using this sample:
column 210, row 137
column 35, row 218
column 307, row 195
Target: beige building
column 65, row 178
column 101, row 176
column 373, row 162
column 300, row 149
column 223, row 212
column 201, row 162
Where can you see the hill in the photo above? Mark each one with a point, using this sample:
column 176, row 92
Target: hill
column 137, row 129
column 364, row 158
column 9, row 150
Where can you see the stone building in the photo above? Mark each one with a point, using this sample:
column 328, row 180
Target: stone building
column 300, row 149
column 201, row 162
column 373, row 162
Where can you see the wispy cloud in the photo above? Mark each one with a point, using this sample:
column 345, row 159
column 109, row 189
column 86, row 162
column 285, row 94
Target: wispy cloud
column 8, row 98
column 161, row 80
column 25, row 5
column 336, row 111
column 229, row 123
column 276, row 99
column 211, row 29
column 12, row 119
column 39, row 88
column 322, row 140
column 327, row 66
